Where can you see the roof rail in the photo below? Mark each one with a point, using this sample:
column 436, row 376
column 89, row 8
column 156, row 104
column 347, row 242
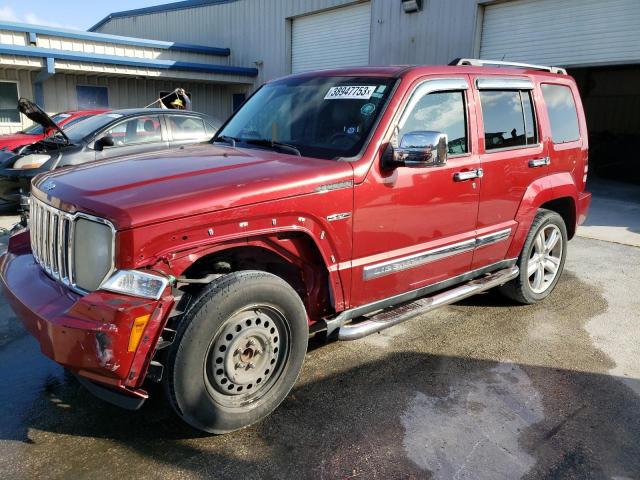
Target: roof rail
column 476, row 62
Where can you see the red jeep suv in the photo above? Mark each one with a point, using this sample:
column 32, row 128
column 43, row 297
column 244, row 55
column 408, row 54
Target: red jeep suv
column 341, row 201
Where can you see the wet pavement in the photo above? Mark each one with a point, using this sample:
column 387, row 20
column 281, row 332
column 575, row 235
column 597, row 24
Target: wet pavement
column 483, row 389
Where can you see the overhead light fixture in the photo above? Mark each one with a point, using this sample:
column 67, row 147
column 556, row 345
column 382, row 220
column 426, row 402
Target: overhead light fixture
column 411, row 6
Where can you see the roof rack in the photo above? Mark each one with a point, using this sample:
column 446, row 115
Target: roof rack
column 476, row 62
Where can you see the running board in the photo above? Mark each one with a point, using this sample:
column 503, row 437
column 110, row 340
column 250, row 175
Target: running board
column 393, row 316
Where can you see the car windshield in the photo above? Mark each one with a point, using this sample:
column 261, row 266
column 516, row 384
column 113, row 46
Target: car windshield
column 37, row 129
column 321, row 117
column 79, row 131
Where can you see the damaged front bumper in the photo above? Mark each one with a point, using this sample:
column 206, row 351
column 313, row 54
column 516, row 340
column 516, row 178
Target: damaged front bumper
column 87, row 334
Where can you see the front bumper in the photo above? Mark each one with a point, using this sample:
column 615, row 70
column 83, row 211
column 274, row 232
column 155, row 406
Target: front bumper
column 88, row 334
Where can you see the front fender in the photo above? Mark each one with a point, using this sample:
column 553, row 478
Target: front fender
column 539, row 192
column 175, row 245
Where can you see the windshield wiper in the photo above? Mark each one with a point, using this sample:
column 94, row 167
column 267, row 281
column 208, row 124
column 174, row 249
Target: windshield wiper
column 226, row 139
column 264, row 142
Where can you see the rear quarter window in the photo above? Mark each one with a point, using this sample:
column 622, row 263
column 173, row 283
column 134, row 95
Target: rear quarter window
column 561, row 109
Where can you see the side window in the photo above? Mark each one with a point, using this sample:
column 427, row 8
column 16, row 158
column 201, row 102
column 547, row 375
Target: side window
column 508, row 117
column 441, row 112
column 187, row 128
column 563, row 115
column 137, row 130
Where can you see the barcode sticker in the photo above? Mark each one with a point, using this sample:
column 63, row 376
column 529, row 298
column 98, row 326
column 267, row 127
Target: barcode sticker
column 350, row 92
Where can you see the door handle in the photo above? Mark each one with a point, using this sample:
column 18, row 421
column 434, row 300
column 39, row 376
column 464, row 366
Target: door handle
column 468, row 175
column 540, row 162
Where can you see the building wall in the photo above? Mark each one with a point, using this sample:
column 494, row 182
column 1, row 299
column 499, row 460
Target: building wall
column 213, row 99
column 259, row 30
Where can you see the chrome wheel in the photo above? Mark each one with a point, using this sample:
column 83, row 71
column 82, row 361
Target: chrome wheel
column 544, row 261
column 247, row 356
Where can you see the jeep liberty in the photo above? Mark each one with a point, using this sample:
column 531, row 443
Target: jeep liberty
column 327, row 201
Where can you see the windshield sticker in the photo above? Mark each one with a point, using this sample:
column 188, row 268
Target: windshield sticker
column 114, row 115
column 381, row 89
column 367, row 109
column 350, row 92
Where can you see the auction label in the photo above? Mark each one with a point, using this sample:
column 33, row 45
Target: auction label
column 350, row 92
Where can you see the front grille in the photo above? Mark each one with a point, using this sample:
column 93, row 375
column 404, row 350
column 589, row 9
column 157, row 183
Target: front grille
column 51, row 233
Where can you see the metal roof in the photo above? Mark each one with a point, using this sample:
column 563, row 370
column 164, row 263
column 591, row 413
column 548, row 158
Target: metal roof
column 167, row 7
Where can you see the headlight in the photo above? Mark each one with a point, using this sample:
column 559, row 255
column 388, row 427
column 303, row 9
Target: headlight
column 93, row 253
column 138, row 284
column 31, row 161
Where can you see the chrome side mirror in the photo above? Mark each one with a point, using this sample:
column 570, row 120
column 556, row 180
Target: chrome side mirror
column 421, row 149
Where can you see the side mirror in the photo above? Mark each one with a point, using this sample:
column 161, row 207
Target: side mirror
column 102, row 142
column 421, row 149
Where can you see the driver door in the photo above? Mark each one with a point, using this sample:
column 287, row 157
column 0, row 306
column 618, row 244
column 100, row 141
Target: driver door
column 416, row 226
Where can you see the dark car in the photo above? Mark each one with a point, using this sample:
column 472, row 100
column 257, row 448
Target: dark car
column 107, row 135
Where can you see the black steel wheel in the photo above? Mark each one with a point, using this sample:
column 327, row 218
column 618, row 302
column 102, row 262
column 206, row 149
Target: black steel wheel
column 238, row 352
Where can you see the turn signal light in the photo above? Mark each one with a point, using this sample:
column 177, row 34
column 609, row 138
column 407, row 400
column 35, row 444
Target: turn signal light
column 136, row 332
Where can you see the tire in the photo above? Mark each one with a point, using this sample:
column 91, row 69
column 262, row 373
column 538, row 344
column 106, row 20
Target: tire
column 526, row 287
column 237, row 352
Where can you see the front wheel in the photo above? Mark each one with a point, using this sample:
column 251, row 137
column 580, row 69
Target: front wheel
column 237, row 353
column 541, row 261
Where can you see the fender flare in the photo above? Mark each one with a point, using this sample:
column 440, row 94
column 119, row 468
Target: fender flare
column 539, row 192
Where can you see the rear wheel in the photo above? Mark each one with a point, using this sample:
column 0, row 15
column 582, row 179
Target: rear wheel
column 541, row 261
column 238, row 351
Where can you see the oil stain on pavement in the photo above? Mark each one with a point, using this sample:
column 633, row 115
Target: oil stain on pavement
column 481, row 389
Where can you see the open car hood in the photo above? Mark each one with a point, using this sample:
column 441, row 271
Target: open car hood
column 34, row 113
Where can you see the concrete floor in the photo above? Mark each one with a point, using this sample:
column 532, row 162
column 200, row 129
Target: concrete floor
column 483, row 389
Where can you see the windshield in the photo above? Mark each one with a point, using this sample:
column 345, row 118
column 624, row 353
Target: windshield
column 322, row 117
column 37, row 129
column 79, row 131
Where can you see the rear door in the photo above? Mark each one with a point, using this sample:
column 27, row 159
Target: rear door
column 512, row 156
column 139, row 134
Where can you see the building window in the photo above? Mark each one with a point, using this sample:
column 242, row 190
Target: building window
column 92, row 97
column 9, row 103
column 508, row 118
column 563, row 115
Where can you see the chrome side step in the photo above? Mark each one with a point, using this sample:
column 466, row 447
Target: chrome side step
column 393, row 316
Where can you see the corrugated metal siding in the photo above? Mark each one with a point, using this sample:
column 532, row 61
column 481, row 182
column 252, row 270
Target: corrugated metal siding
column 442, row 31
column 331, row 39
column 60, row 93
column 563, row 32
column 260, row 30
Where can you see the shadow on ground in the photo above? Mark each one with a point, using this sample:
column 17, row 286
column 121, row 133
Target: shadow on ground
column 478, row 393
column 410, row 414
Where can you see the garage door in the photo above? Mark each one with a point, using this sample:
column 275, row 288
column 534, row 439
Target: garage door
column 335, row 38
column 562, row 32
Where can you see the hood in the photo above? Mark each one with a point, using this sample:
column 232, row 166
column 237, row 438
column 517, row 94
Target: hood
column 151, row 188
column 15, row 140
column 34, row 113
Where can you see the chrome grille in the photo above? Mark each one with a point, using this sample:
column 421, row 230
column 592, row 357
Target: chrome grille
column 51, row 232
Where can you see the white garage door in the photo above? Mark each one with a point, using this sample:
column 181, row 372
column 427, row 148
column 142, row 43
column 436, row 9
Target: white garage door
column 336, row 38
column 562, row 32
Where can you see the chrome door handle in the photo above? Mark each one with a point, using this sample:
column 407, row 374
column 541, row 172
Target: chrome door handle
column 540, row 162
column 468, row 175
